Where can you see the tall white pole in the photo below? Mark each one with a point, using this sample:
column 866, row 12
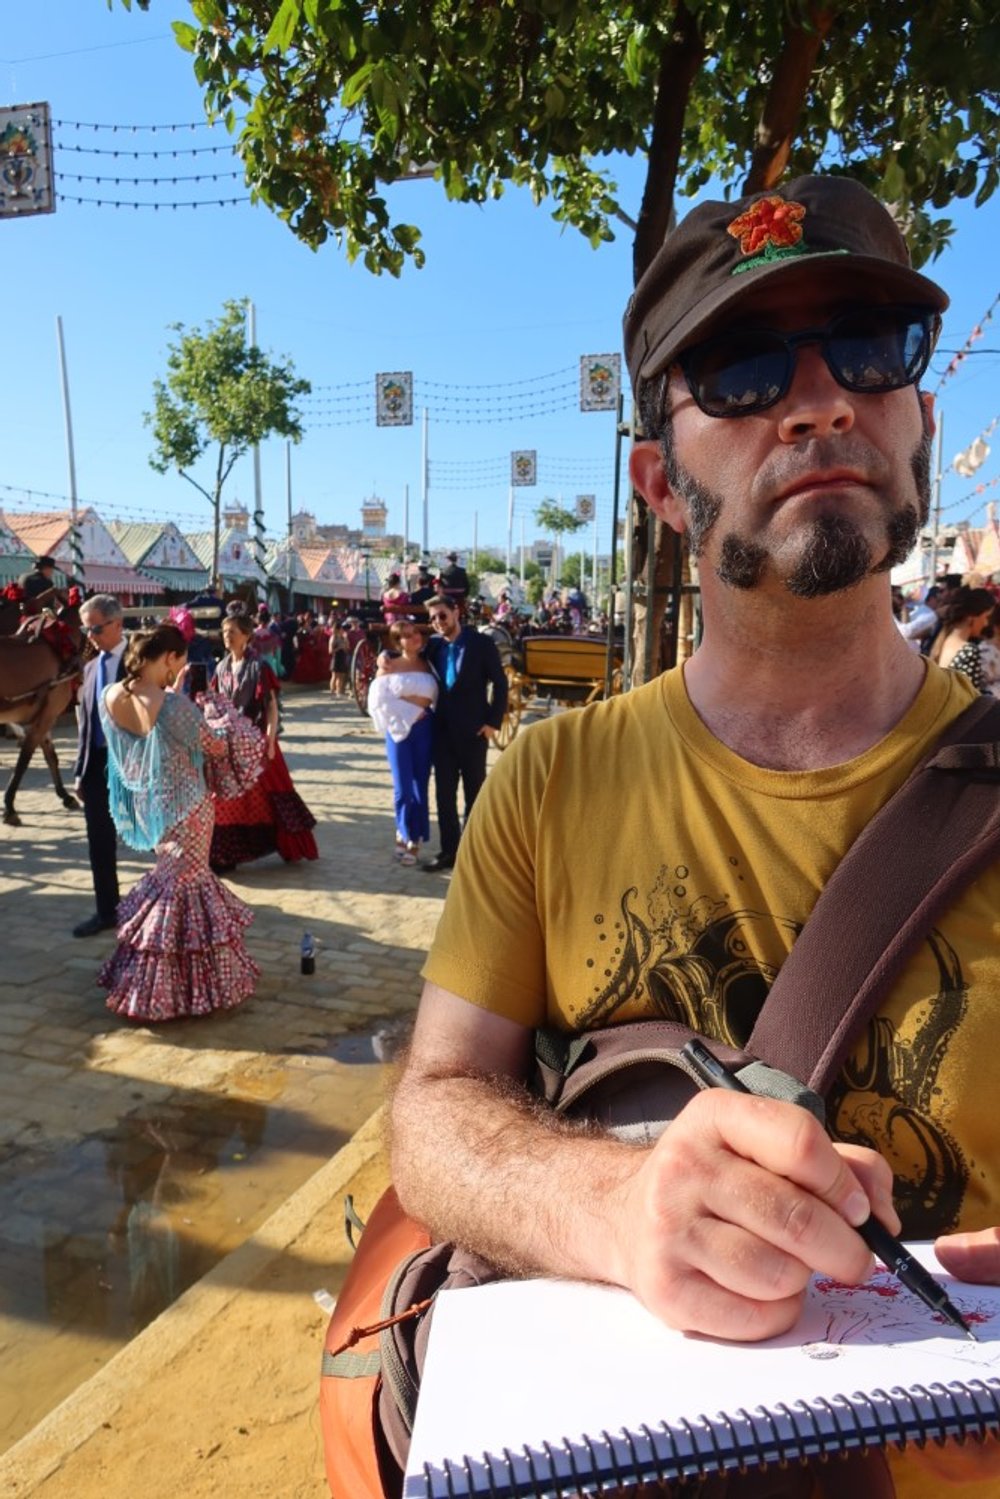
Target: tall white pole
column 593, row 584
column 424, row 480
column 475, row 538
column 75, row 544
column 522, row 553
column 936, row 512
column 258, row 504
column 288, row 491
column 510, row 524
column 406, row 528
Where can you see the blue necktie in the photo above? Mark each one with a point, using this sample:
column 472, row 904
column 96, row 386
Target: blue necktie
column 450, row 665
column 102, row 681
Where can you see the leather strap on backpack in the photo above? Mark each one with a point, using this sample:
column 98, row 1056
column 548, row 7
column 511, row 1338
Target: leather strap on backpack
column 938, row 833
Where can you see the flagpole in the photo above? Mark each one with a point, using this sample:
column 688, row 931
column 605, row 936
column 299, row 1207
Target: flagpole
column 423, row 474
column 75, row 545
column 593, row 587
column 288, row 552
column 937, row 503
column 258, row 504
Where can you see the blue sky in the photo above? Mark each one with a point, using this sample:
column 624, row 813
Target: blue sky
column 495, row 323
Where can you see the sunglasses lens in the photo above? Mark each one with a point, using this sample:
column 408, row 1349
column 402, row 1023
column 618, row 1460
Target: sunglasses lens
column 738, row 375
column 878, row 349
column 870, row 350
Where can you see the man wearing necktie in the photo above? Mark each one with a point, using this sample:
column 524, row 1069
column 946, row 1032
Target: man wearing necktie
column 469, row 711
column 103, row 621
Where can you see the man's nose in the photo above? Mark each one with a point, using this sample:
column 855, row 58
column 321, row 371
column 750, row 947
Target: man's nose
column 816, row 405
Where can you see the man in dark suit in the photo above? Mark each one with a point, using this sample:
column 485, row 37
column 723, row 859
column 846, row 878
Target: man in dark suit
column 425, row 589
column 454, row 581
column 104, row 623
column 470, row 710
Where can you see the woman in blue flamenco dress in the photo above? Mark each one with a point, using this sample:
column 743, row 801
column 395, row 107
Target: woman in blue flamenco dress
column 181, row 949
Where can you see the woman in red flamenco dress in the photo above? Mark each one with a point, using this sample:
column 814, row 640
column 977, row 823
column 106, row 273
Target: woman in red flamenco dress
column 271, row 816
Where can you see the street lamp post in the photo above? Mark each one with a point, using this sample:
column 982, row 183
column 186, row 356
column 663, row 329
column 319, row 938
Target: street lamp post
column 365, row 555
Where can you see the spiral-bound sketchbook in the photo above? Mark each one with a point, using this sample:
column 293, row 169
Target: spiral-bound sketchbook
column 547, row 1387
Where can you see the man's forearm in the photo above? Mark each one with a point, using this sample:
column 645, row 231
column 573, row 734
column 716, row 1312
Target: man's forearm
column 480, row 1164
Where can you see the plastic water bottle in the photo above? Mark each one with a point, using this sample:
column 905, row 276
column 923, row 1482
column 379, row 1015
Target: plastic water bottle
column 308, row 960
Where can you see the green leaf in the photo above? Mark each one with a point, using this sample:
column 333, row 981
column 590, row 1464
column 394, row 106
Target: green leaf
column 355, row 87
column 893, row 182
column 283, row 26
column 185, row 35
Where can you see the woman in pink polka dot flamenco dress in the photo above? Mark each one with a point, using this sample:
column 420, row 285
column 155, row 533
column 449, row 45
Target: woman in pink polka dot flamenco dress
column 181, row 949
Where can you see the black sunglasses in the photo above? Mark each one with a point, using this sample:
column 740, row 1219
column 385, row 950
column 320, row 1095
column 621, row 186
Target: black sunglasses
column 869, row 350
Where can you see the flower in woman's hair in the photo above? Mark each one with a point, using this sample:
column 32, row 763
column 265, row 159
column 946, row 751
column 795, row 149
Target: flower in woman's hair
column 184, row 620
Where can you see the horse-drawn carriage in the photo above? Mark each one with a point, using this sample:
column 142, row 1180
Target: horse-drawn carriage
column 568, row 670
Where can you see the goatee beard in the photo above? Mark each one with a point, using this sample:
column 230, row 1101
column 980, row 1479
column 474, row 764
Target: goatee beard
column 837, row 556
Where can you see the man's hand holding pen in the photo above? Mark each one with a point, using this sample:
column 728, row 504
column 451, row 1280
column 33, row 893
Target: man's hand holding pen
column 733, row 1209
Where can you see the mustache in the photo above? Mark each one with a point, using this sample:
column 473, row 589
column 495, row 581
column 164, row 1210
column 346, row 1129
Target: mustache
column 786, row 467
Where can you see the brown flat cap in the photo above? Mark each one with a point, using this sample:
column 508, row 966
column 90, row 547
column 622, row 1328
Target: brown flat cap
column 824, row 231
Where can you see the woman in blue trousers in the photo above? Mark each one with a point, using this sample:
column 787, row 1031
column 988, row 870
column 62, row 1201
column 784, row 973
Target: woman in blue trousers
column 401, row 702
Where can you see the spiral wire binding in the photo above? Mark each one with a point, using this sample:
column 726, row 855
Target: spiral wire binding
column 743, row 1441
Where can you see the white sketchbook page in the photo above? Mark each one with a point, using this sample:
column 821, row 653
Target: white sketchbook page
column 524, row 1362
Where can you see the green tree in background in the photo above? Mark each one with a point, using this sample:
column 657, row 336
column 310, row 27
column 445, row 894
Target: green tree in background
column 330, row 101
column 575, row 572
column 556, row 521
column 219, row 394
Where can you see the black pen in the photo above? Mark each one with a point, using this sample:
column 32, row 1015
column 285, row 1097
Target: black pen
column 880, row 1241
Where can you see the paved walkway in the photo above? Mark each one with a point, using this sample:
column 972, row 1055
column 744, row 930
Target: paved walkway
column 87, row 1096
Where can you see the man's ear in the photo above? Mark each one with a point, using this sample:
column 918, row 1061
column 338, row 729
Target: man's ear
column 649, row 475
column 927, row 402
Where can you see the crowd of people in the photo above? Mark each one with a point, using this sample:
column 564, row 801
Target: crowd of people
column 179, row 754
column 955, row 623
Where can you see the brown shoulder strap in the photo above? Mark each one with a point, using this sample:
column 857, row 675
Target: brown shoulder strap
column 936, row 835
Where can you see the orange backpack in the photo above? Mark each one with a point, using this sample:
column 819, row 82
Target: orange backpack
column 357, row 1466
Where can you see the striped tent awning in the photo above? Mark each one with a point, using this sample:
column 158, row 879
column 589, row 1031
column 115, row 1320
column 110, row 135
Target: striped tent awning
column 103, row 578
column 178, row 579
column 320, row 588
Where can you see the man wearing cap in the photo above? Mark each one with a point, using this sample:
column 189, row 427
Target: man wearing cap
column 454, row 581
column 657, row 853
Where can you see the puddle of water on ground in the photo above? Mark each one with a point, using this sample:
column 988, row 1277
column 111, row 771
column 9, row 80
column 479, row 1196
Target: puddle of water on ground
column 99, row 1236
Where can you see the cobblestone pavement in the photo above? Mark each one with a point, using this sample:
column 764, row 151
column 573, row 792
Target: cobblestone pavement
column 64, row 1059
column 74, row 1078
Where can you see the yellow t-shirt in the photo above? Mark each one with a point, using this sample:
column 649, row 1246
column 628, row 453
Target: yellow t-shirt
column 621, row 862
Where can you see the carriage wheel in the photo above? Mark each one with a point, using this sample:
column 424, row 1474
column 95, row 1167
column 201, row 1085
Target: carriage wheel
column 363, row 664
column 515, row 707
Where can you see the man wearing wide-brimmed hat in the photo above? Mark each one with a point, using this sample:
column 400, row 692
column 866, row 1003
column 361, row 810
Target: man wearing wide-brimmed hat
column 658, row 853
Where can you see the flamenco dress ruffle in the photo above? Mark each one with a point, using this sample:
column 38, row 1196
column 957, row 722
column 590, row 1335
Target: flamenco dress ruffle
column 269, row 817
column 181, row 949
